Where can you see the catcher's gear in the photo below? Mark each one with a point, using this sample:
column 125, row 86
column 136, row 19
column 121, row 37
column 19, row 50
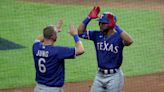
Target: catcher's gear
column 94, row 12
column 108, row 18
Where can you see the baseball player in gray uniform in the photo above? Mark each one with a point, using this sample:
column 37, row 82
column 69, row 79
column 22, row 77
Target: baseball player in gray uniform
column 109, row 42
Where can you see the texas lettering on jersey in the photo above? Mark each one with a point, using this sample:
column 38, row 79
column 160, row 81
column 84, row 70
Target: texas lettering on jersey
column 108, row 48
column 104, row 46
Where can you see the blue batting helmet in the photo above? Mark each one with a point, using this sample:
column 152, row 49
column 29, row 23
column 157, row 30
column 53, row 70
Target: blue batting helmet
column 108, row 18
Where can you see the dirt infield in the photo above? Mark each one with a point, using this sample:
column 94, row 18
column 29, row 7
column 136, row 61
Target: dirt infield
column 147, row 83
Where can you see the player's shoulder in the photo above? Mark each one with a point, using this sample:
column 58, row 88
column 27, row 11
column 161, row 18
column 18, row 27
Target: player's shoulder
column 63, row 49
column 60, row 47
column 36, row 43
column 94, row 31
column 116, row 34
column 57, row 46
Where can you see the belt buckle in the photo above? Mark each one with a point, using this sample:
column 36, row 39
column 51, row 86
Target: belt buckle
column 109, row 71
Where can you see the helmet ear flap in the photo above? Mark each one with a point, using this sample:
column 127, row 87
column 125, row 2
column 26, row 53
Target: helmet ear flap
column 109, row 19
column 112, row 20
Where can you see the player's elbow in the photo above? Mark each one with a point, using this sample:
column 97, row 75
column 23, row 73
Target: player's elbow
column 81, row 29
column 129, row 42
column 80, row 51
column 79, row 48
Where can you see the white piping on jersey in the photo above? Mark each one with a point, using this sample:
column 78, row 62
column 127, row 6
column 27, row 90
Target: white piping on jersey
column 75, row 53
column 123, row 42
column 88, row 34
column 36, row 40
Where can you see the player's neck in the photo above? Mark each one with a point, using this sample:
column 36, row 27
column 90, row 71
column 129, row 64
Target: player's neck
column 48, row 42
column 109, row 33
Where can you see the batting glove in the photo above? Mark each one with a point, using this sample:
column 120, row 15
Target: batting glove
column 94, row 12
column 92, row 15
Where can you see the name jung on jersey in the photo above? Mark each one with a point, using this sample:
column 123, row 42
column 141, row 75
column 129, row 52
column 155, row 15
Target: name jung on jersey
column 42, row 53
column 107, row 47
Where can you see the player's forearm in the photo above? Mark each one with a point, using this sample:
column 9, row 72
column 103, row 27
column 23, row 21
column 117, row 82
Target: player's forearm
column 40, row 37
column 78, row 45
column 84, row 24
column 127, row 39
column 79, row 48
column 81, row 28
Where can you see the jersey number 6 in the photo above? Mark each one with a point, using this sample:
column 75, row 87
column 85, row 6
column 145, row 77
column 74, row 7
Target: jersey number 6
column 41, row 64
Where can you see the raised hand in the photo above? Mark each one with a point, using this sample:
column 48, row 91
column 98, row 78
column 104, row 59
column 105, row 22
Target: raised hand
column 58, row 25
column 72, row 30
column 94, row 12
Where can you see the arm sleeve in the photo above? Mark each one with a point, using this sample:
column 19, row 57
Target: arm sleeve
column 87, row 35
column 66, row 53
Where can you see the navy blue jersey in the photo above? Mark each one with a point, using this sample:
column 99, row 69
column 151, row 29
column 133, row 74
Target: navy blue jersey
column 108, row 48
column 49, row 63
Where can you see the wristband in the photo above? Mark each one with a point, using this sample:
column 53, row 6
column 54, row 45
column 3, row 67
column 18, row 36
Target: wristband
column 86, row 20
column 76, row 38
column 118, row 29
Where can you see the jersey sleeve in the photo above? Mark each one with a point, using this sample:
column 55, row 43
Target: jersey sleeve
column 66, row 53
column 36, row 40
column 88, row 35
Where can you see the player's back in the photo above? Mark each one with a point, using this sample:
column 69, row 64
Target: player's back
column 49, row 63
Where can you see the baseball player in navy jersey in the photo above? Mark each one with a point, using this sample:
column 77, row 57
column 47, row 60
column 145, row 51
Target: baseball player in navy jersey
column 109, row 42
column 49, row 59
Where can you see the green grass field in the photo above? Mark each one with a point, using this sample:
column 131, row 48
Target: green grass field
column 21, row 22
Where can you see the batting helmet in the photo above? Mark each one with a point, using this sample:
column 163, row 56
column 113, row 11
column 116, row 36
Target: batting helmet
column 108, row 18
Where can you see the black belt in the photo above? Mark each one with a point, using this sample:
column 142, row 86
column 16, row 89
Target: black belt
column 55, row 86
column 50, row 85
column 107, row 71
